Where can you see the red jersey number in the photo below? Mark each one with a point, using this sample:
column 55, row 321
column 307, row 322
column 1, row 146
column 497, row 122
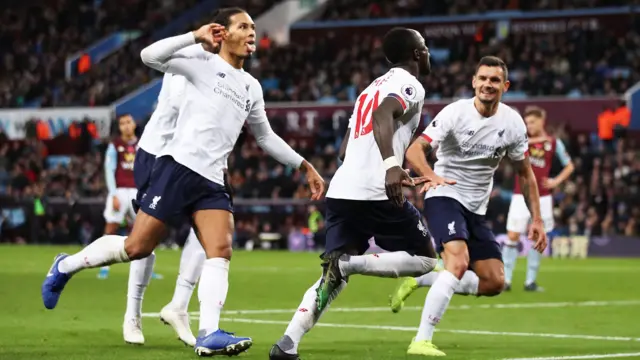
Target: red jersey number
column 364, row 120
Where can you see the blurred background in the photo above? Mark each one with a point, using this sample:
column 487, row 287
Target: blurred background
column 69, row 67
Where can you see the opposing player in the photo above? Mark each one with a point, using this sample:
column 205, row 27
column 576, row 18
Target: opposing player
column 542, row 150
column 472, row 136
column 384, row 119
column 118, row 172
column 187, row 177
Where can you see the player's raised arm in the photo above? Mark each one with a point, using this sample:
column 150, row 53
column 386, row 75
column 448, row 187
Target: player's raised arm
column 276, row 147
column 163, row 55
column 518, row 153
column 567, row 170
column 435, row 132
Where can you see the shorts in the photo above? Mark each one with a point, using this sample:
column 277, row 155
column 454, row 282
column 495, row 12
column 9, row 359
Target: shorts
column 519, row 215
column 448, row 220
column 142, row 168
column 126, row 197
column 351, row 223
column 176, row 192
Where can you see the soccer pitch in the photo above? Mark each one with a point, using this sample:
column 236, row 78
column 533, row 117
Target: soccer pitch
column 590, row 310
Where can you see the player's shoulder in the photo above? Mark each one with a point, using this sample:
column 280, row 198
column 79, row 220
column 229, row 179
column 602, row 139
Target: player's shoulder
column 456, row 110
column 410, row 85
column 511, row 117
column 253, row 85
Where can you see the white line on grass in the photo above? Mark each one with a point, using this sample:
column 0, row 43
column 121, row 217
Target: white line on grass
column 469, row 332
column 412, row 329
column 531, row 305
column 578, row 357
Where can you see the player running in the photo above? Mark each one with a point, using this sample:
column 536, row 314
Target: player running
column 542, row 149
column 472, row 136
column 158, row 132
column 119, row 174
column 384, row 119
column 187, row 177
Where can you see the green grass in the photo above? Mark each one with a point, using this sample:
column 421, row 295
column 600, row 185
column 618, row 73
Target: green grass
column 87, row 322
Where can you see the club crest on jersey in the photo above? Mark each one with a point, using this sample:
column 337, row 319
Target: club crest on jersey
column 547, row 146
column 500, row 133
column 247, row 107
column 409, row 92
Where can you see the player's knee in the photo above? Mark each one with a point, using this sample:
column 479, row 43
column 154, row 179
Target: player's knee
column 494, row 284
column 218, row 249
column 137, row 249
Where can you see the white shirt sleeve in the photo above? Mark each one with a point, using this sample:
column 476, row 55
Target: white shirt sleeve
column 257, row 114
column 409, row 93
column 165, row 55
column 519, row 148
column 439, row 128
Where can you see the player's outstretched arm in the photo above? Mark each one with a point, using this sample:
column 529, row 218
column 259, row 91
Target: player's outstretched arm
column 163, row 55
column 276, row 147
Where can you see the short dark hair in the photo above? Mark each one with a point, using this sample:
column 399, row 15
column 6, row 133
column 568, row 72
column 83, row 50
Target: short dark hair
column 536, row 111
column 494, row 61
column 223, row 16
column 398, row 44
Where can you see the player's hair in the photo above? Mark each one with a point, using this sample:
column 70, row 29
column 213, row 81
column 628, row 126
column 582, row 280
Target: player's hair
column 536, row 111
column 494, row 61
column 398, row 44
column 124, row 115
column 223, row 16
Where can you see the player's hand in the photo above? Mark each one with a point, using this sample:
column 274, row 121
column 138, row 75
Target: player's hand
column 116, row 203
column 436, row 181
column 537, row 234
column 414, row 181
column 395, row 178
column 548, row 183
column 315, row 181
column 211, row 35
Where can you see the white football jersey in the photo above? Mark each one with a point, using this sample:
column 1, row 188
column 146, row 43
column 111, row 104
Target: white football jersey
column 218, row 99
column 362, row 175
column 470, row 148
column 162, row 124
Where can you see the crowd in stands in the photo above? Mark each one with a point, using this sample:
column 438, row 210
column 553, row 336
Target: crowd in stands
column 602, row 197
column 368, row 9
column 37, row 37
column 35, row 41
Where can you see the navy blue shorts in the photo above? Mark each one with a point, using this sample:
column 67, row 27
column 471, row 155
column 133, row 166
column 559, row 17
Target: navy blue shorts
column 175, row 191
column 142, row 168
column 448, row 220
column 351, row 223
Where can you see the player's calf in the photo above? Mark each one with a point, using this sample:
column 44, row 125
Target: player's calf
column 491, row 274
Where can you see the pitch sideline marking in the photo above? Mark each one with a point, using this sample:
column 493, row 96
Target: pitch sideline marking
column 532, row 305
column 578, row 357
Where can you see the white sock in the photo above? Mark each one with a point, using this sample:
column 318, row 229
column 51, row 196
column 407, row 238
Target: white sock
column 140, row 272
column 435, row 304
column 509, row 257
column 212, row 292
column 191, row 262
column 390, row 265
column 106, row 250
column 305, row 318
column 533, row 264
column 468, row 285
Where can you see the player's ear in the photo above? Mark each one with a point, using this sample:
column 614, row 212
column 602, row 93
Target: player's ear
column 506, row 85
column 473, row 82
column 416, row 54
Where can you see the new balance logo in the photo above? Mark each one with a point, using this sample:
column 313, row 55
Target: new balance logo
column 154, row 202
column 221, row 74
column 452, row 228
